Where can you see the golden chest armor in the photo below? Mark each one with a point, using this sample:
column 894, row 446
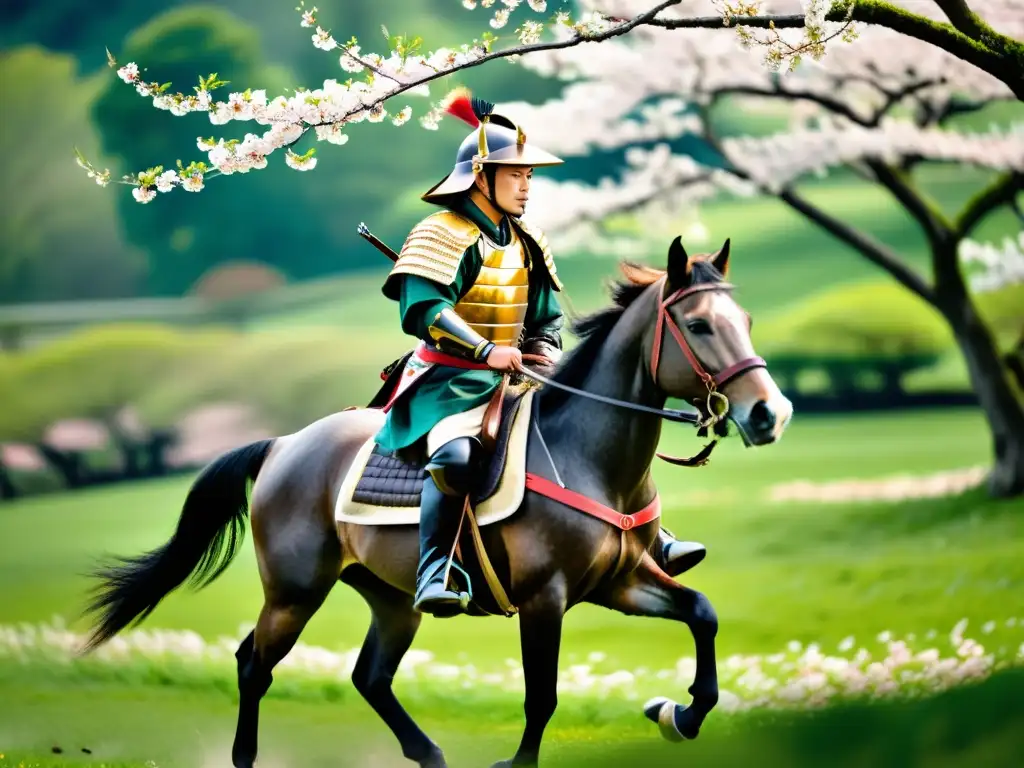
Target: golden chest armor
column 495, row 307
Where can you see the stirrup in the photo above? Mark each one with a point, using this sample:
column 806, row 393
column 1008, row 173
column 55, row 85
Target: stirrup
column 433, row 595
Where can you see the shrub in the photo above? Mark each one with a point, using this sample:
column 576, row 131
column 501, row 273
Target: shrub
column 93, row 373
column 877, row 320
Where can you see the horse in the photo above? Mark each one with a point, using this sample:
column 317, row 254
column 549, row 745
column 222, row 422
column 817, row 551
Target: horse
column 548, row 555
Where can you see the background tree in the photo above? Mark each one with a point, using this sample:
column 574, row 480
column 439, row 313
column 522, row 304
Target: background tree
column 192, row 233
column 60, row 237
column 883, row 109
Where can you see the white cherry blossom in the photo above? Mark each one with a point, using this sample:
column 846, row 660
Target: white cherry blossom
column 143, row 194
column 165, row 181
column 300, row 163
column 129, row 72
column 880, row 98
column 617, row 96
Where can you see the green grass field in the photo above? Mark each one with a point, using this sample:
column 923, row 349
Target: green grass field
column 776, row 573
column 128, row 727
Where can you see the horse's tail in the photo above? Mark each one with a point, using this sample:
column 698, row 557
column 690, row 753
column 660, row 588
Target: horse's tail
column 209, row 532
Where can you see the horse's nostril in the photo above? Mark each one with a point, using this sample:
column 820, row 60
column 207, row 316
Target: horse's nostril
column 762, row 417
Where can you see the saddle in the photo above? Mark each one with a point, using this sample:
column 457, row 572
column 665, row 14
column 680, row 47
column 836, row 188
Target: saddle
column 397, row 480
column 385, row 489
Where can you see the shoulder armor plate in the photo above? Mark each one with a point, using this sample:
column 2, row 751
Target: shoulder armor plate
column 541, row 241
column 434, row 248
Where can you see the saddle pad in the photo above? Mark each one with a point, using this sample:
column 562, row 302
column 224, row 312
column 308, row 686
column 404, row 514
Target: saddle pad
column 387, row 481
column 373, row 505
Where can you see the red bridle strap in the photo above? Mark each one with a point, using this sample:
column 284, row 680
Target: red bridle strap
column 665, row 319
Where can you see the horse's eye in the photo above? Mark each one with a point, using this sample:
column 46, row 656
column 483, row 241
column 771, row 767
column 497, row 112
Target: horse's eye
column 699, row 326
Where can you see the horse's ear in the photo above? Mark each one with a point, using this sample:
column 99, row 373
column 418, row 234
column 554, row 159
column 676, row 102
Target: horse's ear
column 678, row 264
column 721, row 259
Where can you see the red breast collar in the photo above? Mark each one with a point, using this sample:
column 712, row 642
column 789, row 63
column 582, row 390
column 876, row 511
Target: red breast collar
column 593, row 508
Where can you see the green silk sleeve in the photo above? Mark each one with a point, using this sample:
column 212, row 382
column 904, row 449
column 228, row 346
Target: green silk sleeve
column 544, row 317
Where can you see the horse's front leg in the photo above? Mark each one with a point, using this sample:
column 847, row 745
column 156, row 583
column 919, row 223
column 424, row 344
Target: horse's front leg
column 540, row 632
column 649, row 591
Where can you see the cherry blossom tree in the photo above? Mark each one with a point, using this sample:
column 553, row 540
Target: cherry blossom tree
column 872, row 87
column 880, row 106
column 986, row 41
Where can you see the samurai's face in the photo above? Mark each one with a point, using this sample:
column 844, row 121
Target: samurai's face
column 511, row 187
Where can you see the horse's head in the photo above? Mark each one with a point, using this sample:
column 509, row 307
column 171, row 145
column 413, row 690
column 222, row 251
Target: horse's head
column 700, row 343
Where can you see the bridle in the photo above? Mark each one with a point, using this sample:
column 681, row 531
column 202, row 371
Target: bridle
column 716, row 406
column 711, row 382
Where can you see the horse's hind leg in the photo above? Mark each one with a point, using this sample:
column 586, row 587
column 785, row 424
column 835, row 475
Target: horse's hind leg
column 392, row 630
column 299, row 565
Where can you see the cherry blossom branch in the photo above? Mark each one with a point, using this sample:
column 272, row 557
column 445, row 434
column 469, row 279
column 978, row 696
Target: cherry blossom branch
column 831, row 103
column 292, row 118
column 876, row 252
column 873, row 250
column 936, row 227
column 999, row 55
column 329, row 109
column 970, row 24
column 1001, row 192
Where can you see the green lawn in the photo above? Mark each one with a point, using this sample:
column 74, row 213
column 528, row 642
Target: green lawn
column 775, row 572
column 123, row 727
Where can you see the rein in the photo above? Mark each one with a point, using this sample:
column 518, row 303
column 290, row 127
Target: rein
column 717, row 404
column 669, row 414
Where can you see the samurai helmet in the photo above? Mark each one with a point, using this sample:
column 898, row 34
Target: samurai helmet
column 495, row 140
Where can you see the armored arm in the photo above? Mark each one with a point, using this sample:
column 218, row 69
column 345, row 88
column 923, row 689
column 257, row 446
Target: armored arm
column 428, row 279
column 452, row 334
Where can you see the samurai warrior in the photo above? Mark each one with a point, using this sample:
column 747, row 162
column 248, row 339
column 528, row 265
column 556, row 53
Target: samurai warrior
column 477, row 285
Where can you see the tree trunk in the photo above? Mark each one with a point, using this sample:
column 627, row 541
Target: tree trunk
column 7, row 489
column 1004, row 412
column 1015, row 362
column 67, row 464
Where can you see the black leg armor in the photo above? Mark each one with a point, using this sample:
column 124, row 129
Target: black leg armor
column 449, row 474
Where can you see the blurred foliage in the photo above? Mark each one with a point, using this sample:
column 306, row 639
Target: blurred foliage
column 60, row 235
column 876, row 333
column 876, row 319
column 187, row 234
column 94, row 373
column 882, row 318
column 303, row 224
column 294, row 370
column 73, row 26
column 290, row 379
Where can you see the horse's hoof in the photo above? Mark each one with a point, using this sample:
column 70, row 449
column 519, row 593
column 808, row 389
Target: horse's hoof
column 434, row 761
column 675, row 723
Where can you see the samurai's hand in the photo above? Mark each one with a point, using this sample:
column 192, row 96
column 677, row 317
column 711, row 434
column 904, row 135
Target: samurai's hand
column 504, row 359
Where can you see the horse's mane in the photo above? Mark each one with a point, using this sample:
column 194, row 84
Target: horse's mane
column 592, row 330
